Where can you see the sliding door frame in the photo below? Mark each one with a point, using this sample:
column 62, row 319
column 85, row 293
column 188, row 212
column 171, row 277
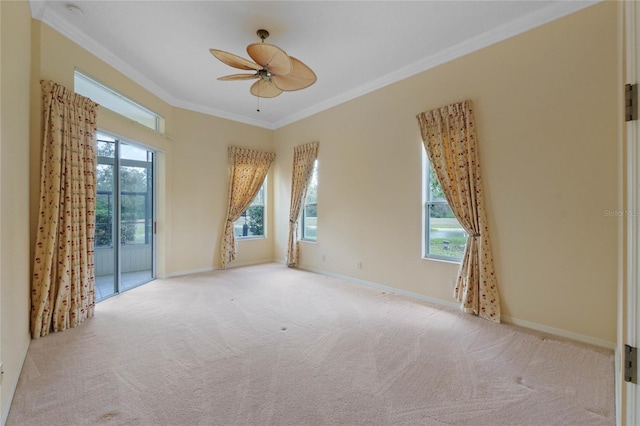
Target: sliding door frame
column 152, row 168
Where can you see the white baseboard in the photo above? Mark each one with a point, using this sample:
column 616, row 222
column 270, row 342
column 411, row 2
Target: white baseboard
column 559, row 332
column 211, row 268
column 14, row 386
column 387, row 288
column 249, row 263
column 506, row 319
column 186, row 272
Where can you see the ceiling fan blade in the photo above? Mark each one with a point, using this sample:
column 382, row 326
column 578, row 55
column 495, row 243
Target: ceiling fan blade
column 234, row 60
column 271, row 57
column 264, row 89
column 239, row 77
column 302, row 76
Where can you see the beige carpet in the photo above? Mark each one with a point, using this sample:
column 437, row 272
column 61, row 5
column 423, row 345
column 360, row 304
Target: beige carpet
column 267, row 345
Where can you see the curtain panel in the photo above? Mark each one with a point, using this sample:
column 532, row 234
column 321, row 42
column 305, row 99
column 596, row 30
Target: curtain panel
column 247, row 171
column 304, row 157
column 449, row 137
column 63, row 282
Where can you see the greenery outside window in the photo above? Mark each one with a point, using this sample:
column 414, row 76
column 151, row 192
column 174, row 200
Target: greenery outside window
column 445, row 239
column 251, row 223
column 135, row 196
column 310, row 210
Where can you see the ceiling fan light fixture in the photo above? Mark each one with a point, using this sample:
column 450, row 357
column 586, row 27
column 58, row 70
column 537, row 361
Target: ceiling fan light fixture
column 276, row 71
column 265, row 75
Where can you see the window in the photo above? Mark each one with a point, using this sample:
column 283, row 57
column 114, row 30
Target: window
column 445, row 238
column 251, row 223
column 114, row 101
column 135, row 195
column 310, row 210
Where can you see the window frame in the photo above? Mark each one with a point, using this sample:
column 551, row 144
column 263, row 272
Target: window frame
column 262, row 189
column 314, row 175
column 426, row 217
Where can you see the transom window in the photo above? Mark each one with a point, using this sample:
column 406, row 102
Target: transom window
column 114, row 101
column 445, row 238
column 310, row 210
column 251, row 223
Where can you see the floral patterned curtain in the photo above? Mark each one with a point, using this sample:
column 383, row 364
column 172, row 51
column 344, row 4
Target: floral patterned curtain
column 449, row 137
column 247, row 170
column 62, row 288
column 303, row 158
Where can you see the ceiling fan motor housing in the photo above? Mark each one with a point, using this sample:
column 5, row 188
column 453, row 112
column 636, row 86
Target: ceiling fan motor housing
column 264, row 74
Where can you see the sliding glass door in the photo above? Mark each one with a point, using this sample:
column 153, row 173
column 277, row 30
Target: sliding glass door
column 124, row 244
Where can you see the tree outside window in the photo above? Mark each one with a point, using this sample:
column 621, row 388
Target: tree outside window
column 310, row 210
column 134, row 200
column 444, row 236
column 251, row 223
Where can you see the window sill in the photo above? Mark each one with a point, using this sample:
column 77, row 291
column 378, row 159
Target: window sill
column 442, row 259
column 308, row 241
column 257, row 237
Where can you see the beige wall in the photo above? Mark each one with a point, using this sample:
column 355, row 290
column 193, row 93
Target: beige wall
column 200, row 186
column 546, row 114
column 14, row 194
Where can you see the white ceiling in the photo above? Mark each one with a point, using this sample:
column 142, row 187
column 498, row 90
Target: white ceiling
column 354, row 47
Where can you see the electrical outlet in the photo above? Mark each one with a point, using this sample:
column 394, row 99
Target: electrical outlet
column 324, row 258
column 359, row 265
column 1, row 372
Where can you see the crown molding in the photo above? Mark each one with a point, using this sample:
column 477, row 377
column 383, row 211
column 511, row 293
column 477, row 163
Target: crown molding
column 37, row 8
column 55, row 21
column 223, row 114
column 548, row 14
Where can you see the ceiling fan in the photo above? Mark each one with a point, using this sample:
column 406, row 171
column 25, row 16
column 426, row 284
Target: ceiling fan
column 275, row 70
